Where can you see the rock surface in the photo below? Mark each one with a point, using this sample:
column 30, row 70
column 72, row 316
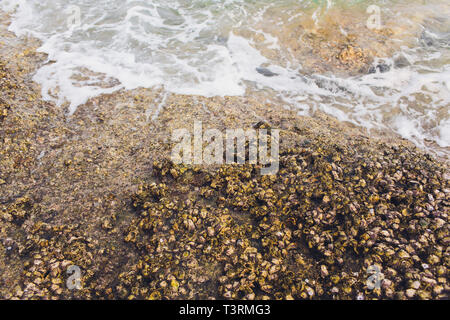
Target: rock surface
column 97, row 190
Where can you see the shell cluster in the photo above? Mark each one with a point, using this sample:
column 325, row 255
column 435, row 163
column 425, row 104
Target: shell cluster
column 4, row 83
column 314, row 231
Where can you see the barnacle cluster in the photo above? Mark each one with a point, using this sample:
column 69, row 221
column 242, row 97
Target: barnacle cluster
column 4, row 107
column 351, row 56
column 15, row 131
column 55, row 262
column 53, row 249
column 313, row 231
column 334, row 216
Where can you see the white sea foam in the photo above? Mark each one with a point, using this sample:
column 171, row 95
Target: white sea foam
column 191, row 47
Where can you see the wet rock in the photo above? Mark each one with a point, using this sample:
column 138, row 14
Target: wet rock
column 401, row 62
column 266, row 72
column 427, row 39
column 381, row 68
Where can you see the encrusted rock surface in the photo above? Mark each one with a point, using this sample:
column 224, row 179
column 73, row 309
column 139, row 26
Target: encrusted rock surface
column 97, row 190
column 314, row 231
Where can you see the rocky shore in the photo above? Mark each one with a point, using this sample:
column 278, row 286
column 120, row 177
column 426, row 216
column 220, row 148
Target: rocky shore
column 97, row 190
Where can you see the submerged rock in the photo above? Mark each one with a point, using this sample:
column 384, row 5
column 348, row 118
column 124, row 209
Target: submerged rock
column 381, row 68
column 266, row 72
column 401, row 62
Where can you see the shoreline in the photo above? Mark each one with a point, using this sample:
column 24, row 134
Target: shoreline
column 97, row 190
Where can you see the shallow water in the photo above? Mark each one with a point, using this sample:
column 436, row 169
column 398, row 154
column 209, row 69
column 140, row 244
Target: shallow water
column 237, row 47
